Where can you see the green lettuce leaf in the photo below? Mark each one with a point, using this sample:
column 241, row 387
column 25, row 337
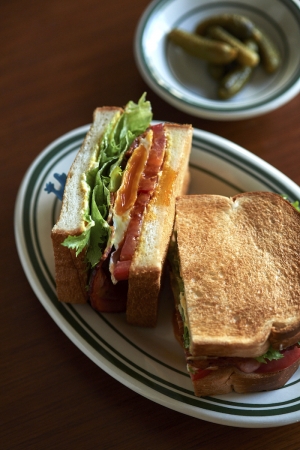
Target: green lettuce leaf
column 78, row 243
column 186, row 333
column 99, row 233
column 178, row 286
column 173, row 258
column 107, row 177
column 295, row 204
column 115, row 179
column 270, row 355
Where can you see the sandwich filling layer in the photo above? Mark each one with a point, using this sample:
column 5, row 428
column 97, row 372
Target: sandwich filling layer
column 103, row 178
column 138, row 185
column 143, row 168
column 202, row 366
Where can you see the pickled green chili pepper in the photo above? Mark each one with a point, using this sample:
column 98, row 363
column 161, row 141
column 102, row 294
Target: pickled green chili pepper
column 270, row 55
column 237, row 77
column 245, row 56
column 207, row 49
column 236, row 24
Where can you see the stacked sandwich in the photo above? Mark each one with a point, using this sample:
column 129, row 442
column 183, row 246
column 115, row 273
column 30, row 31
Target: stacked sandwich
column 237, row 292
column 234, row 262
column 111, row 238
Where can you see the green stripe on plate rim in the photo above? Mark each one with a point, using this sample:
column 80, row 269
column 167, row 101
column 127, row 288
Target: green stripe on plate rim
column 160, row 83
column 91, row 337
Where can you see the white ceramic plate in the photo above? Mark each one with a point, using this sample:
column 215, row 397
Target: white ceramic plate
column 148, row 361
column 183, row 81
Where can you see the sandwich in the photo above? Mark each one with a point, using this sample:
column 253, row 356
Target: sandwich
column 235, row 275
column 111, row 238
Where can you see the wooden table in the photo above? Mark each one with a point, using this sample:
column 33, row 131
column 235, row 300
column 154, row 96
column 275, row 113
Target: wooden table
column 59, row 60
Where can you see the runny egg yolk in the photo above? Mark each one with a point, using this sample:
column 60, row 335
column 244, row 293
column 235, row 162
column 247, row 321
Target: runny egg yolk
column 127, row 192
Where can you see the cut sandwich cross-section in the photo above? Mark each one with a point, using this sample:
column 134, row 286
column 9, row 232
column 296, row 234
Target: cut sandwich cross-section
column 139, row 183
column 117, row 215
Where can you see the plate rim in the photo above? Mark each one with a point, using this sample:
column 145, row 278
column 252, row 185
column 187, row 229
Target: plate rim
column 65, row 326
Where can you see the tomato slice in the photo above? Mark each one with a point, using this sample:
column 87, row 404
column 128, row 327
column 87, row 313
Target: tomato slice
column 291, row 355
column 200, row 373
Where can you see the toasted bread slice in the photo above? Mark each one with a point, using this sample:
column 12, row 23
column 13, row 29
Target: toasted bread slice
column 70, row 271
column 240, row 262
column 148, row 261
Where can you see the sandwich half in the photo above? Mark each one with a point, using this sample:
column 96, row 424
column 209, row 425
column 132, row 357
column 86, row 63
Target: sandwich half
column 111, row 238
column 235, row 272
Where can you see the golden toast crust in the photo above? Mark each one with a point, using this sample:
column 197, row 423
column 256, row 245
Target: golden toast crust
column 148, row 261
column 71, row 274
column 242, row 279
column 71, row 271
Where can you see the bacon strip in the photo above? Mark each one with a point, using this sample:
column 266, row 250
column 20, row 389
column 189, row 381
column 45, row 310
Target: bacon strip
column 147, row 184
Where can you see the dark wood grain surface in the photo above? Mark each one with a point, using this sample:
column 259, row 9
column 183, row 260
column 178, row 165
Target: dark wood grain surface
column 59, row 60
